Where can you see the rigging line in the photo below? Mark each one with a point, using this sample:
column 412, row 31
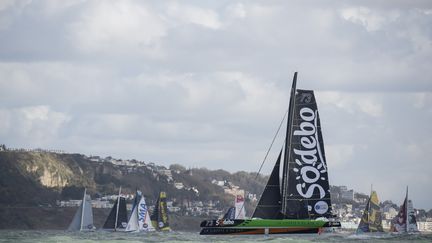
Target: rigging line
column 268, row 151
column 271, row 145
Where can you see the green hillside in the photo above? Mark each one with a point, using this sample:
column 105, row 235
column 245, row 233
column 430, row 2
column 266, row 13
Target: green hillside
column 41, row 178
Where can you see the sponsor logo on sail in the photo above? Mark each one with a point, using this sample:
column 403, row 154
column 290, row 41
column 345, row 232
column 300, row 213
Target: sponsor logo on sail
column 142, row 212
column 321, row 207
column 309, row 159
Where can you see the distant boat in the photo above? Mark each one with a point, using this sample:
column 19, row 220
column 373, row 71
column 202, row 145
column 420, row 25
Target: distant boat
column 160, row 214
column 230, row 214
column 139, row 219
column 238, row 211
column 372, row 216
column 405, row 221
column 117, row 219
column 83, row 219
column 301, row 203
column 239, row 206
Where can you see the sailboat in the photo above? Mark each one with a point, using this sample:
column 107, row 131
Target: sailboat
column 159, row 217
column 240, row 212
column 230, row 214
column 372, row 217
column 237, row 211
column 139, row 219
column 117, row 219
column 405, row 221
column 83, row 219
column 301, row 203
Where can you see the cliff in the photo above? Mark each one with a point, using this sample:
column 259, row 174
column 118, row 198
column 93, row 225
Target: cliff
column 41, row 178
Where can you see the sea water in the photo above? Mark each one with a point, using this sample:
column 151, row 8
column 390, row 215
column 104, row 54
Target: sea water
column 16, row 236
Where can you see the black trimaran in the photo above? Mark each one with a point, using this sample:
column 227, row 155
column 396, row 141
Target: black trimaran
column 301, row 203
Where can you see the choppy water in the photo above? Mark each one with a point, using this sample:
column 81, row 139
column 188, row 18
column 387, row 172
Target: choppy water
column 102, row 236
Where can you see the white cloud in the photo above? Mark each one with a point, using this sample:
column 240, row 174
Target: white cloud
column 371, row 20
column 339, row 155
column 422, row 100
column 351, row 102
column 118, row 26
column 36, row 125
column 189, row 14
column 236, row 10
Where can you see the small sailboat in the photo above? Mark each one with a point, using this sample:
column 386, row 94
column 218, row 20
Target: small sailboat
column 372, row 216
column 117, row 219
column 139, row 219
column 301, row 203
column 238, row 210
column 83, row 219
column 405, row 221
column 159, row 217
column 230, row 214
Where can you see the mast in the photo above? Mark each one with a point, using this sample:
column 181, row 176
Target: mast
column 117, row 210
column 82, row 209
column 287, row 153
column 369, row 205
column 406, row 210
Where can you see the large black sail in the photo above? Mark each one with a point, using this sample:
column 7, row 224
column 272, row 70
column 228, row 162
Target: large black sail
column 117, row 214
column 307, row 194
column 269, row 205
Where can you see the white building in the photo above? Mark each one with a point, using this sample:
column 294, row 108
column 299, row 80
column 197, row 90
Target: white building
column 178, row 185
column 425, row 226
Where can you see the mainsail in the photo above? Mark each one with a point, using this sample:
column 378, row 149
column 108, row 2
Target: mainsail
column 405, row 220
column 83, row 219
column 160, row 213
column 117, row 219
column 372, row 217
column 306, row 190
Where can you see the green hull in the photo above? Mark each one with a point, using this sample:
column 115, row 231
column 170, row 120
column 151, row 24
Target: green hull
column 264, row 226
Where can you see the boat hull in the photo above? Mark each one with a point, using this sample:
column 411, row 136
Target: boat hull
column 263, row 226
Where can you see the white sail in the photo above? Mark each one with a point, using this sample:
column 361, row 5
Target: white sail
column 75, row 225
column 83, row 219
column 411, row 219
column 240, row 212
column 144, row 221
column 133, row 220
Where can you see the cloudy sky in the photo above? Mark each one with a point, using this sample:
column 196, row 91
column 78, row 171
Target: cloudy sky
column 206, row 83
